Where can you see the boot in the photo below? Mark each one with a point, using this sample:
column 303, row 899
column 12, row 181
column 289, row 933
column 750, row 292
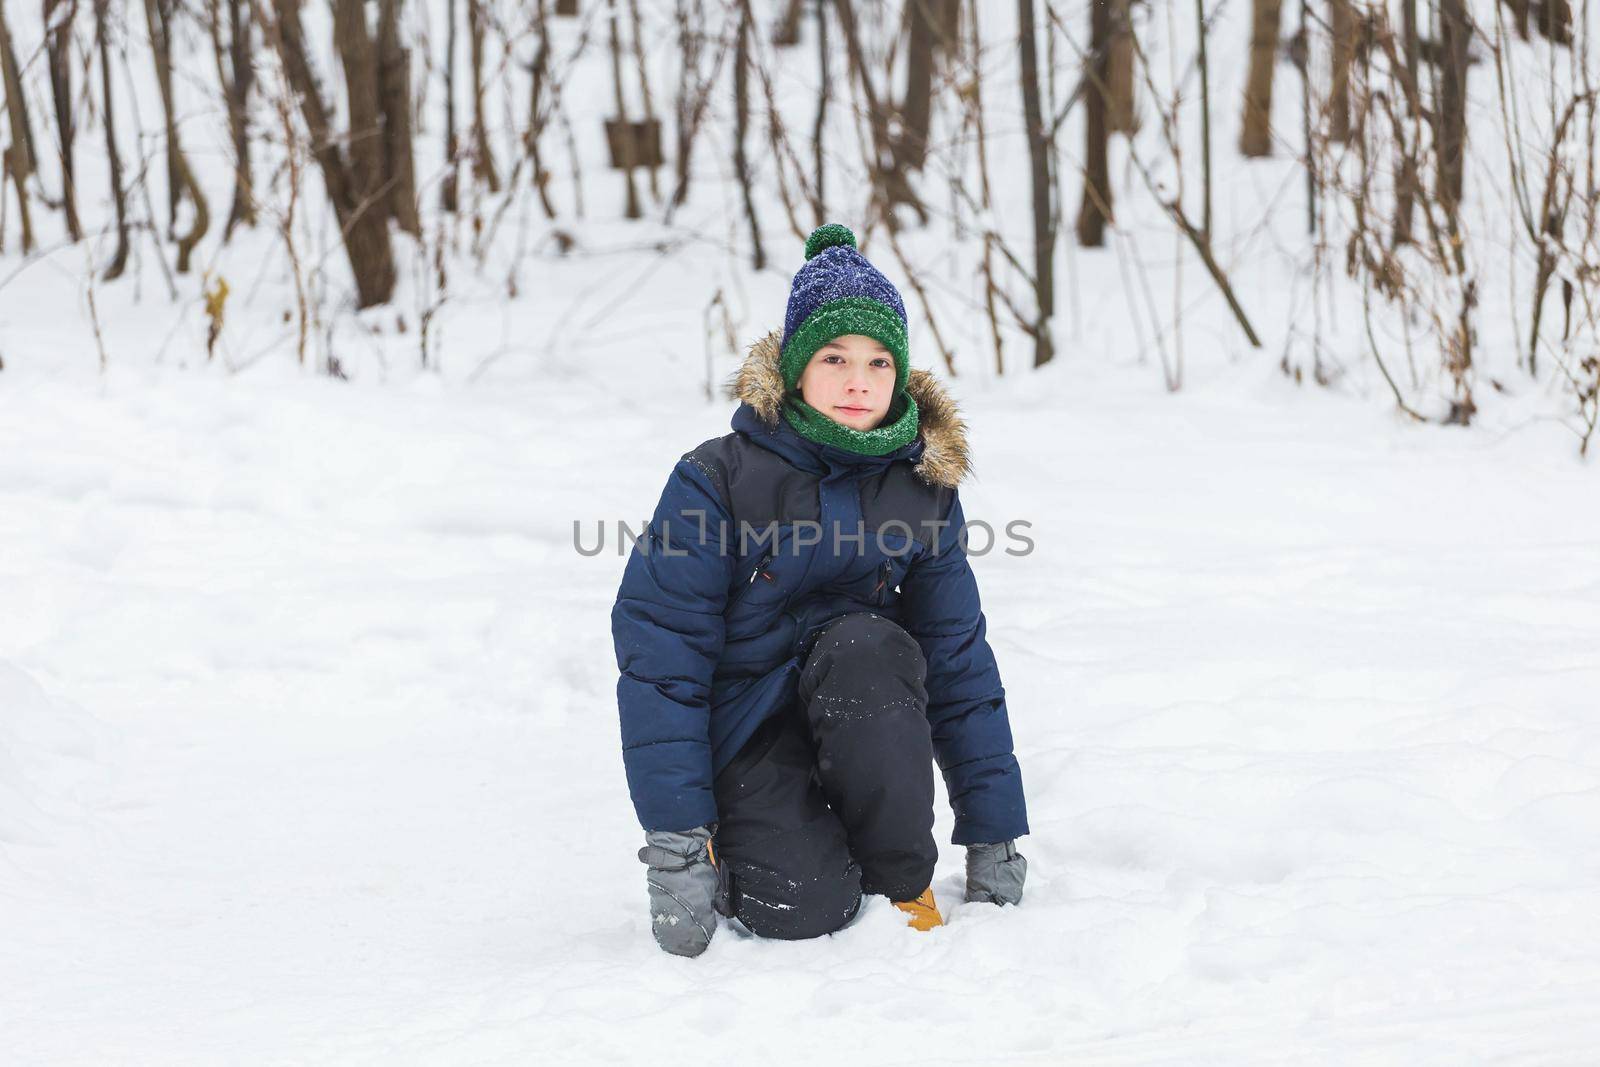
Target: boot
column 923, row 911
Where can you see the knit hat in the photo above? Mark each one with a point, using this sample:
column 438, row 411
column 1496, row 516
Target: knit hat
column 839, row 292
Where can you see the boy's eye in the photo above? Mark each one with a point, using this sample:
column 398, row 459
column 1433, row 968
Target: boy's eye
column 880, row 362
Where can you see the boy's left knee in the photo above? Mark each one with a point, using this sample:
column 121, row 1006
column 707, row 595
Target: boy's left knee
column 862, row 647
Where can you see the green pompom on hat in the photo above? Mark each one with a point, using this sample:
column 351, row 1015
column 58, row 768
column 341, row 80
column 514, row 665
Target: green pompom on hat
column 832, row 235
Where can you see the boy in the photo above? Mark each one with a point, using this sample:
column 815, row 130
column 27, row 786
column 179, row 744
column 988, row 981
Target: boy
column 799, row 635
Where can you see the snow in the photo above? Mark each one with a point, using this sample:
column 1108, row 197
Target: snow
column 311, row 745
column 308, row 739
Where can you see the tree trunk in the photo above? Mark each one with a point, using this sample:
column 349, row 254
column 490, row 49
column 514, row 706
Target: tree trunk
column 1044, row 236
column 644, row 87
column 947, row 27
column 1555, row 21
column 181, row 180
column 483, row 167
column 1519, row 16
column 911, row 150
column 818, row 160
column 1120, row 113
column 985, row 187
column 244, row 200
column 1407, row 181
column 536, row 117
column 786, row 33
column 630, row 205
column 157, row 15
column 1343, row 18
column 1455, row 32
column 119, row 259
column 367, row 231
column 1203, row 31
column 1303, row 64
column 741, row 122
column 888, row 178
column 359, row 59
column 236, row 73
column 1255, row 140
column 58, row 19
column 685, row 115
column 448, row 188
column 394, row 101
column 17, row 159
column 1095, row 211
column 363, row 220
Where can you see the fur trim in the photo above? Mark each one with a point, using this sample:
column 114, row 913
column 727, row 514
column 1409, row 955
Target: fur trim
column 945, row 459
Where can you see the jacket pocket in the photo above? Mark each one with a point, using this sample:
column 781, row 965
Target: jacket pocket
column 886, row 583
column 760, row 575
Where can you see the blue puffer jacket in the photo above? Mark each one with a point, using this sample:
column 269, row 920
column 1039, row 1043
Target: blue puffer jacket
column 723, row 596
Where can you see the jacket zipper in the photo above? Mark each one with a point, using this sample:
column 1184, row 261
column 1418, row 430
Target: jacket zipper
column 884, row 572
column 761, row 570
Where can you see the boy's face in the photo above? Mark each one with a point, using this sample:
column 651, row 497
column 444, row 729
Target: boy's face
column 851, row 380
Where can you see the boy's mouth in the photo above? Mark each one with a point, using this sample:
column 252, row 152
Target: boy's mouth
column 851, row 410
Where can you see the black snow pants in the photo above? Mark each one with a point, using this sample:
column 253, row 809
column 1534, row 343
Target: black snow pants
column 833, row 797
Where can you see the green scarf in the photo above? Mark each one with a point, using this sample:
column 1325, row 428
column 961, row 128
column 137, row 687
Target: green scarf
column 898, row 428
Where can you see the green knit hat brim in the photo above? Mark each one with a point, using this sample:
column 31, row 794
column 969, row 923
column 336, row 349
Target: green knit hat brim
column 852, row 314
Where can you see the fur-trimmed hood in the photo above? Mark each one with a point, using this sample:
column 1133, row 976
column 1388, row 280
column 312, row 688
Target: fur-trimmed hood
column 945, row 459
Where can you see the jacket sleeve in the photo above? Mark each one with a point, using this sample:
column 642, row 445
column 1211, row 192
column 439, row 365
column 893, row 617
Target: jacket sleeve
column 667, row 627
column 966, row 702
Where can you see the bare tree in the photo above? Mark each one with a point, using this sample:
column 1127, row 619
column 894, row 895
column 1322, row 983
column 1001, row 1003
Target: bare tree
column 236, row 75
column 890, row 184
column 1121, row 111
column 785, row 159
column 1408, row 181
column 119, row 258
column 394, row 105
column 19, row 155
column 354, row 182
column 1095, row 210
column 1428, row 281
column 483, row 167
column 58, row 19
column 741, row 122
column 1554, row 18
column 160, row 15
column 1203, row 30
column 696, row 81
column 637, row 26
column 1255, row 139
column 359, row 57
column 1344, row 26
column 449, row 187
column 1300, row 51
column 1455, row 34
column 538, row 115
column 786, row 33
column 1044, row 226
column 819, row 126
column 624, row 129
column 916, row 109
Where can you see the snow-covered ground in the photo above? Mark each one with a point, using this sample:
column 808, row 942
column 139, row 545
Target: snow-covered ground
column 308, row 744
column 308, row 737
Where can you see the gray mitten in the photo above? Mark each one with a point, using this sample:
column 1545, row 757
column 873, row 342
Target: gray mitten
column 995, row 873
column 683, row 889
